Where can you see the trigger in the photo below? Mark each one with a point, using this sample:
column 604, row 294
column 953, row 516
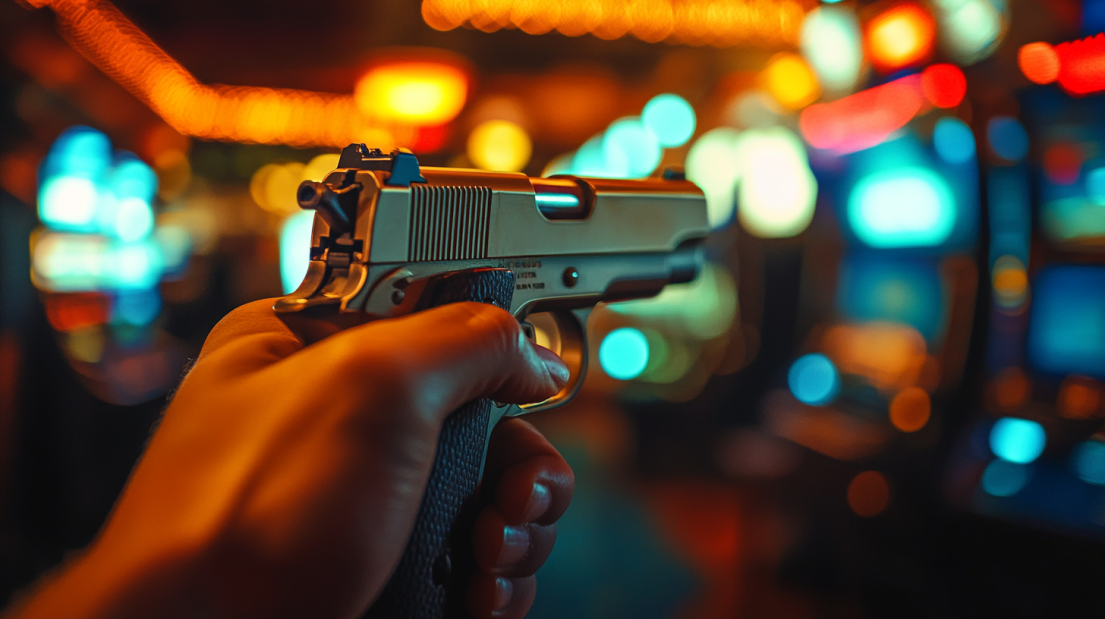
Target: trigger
column 531, row 333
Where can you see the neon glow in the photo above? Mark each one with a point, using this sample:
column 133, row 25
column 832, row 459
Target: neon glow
column 906, row 207
column 833, row 47
column 623, row 353
column 813, row 380
column 1003, row 478
column 900, row 37
column 670, row 118
column 1095, row 185
column 68, row 203
column 295, row 243
column 1016, row 440
column 953, row 140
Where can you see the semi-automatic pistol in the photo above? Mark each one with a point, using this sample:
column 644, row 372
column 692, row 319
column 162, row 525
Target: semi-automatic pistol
column 391, row 238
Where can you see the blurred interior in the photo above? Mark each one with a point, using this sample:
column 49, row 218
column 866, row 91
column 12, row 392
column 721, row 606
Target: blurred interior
column 881, row 397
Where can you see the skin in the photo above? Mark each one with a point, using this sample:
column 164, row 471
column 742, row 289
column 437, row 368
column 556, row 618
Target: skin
column 285, row 477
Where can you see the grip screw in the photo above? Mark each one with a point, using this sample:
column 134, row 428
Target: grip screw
column 570, row 277
column 397, row 297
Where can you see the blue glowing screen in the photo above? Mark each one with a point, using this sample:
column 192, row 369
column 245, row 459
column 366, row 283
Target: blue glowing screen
column 1067, row 330
column 813, row 379
column 1017, row 440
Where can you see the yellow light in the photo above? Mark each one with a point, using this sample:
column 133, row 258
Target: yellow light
column 499, row 145
column 320, row 166
column 791, row 81
column 695, row 22
column 236, row 113
column 420, row 92
column 900, row 37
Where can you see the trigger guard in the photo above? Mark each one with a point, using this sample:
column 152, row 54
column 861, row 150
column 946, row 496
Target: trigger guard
column 572, row 330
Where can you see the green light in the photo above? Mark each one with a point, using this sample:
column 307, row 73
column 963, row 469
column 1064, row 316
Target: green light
column 629, row 138
column 295, row 243
column 623, row 353
column 670, row 118
column 906, row 207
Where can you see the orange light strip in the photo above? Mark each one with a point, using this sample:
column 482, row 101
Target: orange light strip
column 695, row 22
column 300, row 118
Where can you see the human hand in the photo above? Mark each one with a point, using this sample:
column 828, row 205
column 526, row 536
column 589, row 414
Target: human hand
column 285, row 478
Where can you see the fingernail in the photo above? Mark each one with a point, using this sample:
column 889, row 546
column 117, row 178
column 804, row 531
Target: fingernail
column 504, row 590
column 515, row 545
column 539, row 501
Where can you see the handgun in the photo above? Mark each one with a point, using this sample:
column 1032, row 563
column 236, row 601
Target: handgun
column 391, row 237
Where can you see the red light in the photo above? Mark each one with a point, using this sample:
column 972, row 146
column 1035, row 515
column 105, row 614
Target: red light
column 864, row 119
column 1039, row 62
column 900, row 37
column 1063, row 163
column 944, row 85
column 1082, row 65
column 69, row 312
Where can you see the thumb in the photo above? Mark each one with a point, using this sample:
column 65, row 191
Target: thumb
column 438, row 359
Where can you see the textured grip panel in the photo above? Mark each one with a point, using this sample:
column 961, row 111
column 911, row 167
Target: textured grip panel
column 432, row 577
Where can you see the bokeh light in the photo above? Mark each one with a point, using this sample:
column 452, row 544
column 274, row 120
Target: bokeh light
column 499, row 145
column 1003, row 478
column 1017, row 440
column 868, row 494
column 1009, row 282
column 1079, row 397
column 777, row 189
column 944, row 85
column 903, row 207
column 1067, row 333
column 713, row 165
column 953, row 140
column 670, row 118
column 900, row 36
column 1039, row 62
column 833, row 46
column 628, row 139
column 623, row 353
column 791, row 81
column 417, row 92
column 1082, row 65
column 1095, row 185
column 910, row 409
column 1007, row 138
column 865, row 119
column 970, row 29
column 295, row 249
column 1063, row 163
column 813, row 380
column 1089, row 462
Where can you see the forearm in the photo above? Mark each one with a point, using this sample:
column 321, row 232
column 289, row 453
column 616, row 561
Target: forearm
column 104, row 583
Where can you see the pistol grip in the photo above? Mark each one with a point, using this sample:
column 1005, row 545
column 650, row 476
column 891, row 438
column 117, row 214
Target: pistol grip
column 432, row 577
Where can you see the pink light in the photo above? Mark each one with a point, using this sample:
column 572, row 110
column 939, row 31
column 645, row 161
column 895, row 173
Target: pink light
column 864, row 119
